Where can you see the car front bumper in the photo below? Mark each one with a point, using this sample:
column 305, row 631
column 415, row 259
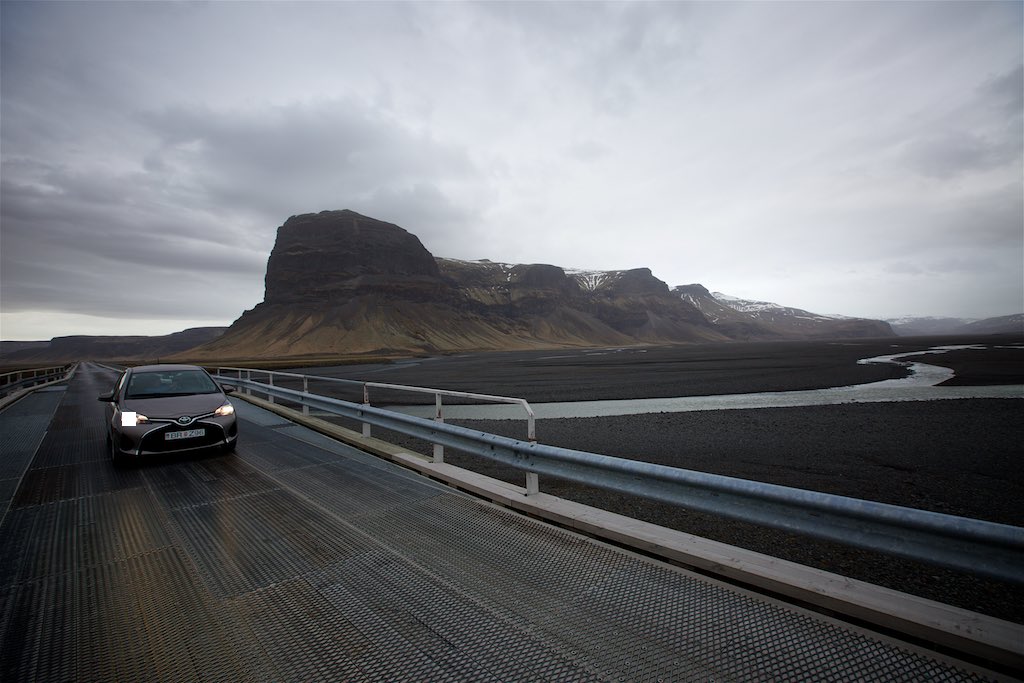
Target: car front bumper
column 151, row 439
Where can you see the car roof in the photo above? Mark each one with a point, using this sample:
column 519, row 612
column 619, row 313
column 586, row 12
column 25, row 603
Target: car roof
column 163, row 368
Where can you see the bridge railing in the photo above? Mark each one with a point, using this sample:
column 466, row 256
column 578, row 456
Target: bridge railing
column 969, row 545
column 23, row 379
column 364, row 387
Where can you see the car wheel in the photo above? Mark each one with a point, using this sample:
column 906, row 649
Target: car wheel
column 116, row 456
column 229, row 448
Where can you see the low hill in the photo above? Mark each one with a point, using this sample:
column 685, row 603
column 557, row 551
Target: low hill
column 67, row 349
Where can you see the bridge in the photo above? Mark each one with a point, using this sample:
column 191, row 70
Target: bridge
column 303, row 558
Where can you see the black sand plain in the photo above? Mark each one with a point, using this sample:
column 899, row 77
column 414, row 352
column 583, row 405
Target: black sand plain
column 960, row 457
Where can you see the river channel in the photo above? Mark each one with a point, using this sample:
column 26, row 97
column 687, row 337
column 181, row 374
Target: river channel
column 919, row 385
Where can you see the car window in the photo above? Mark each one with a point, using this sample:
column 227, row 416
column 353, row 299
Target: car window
column 170, row 383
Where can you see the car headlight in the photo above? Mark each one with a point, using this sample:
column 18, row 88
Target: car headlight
column 130, row 419
column 224, row 410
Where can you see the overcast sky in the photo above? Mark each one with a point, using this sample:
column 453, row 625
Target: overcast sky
column 861, row 158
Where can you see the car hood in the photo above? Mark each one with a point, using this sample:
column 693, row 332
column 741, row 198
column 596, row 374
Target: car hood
column 175, row 406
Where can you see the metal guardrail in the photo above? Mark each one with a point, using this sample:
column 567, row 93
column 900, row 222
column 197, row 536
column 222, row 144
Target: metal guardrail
column 22, row 379
column 531, row 421
column 969, row 545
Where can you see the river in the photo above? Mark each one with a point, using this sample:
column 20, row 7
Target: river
column 919, row 385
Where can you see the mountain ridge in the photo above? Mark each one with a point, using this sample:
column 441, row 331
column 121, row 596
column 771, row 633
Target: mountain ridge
column 907, row 326
column 341, row 282
column 764, row 319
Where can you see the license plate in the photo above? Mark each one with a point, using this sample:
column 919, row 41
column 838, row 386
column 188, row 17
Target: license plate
column 187, row 434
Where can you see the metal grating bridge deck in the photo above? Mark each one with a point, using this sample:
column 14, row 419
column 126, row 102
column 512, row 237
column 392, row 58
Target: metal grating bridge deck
column 301, row 559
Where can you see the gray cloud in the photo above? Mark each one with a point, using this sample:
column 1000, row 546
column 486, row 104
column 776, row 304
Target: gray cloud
column 903, row 268
column 806, row 151
column 293, row 159
column 586, row 151
column 984, row 132
column 951, row 153
column 161, row 231
column 1005, row 93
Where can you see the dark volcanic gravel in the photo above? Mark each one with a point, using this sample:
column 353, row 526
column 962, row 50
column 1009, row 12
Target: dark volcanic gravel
column 960, row 457
column 691, row 370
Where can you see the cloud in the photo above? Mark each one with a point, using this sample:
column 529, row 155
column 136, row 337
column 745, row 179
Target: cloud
column 954, row 152
column 587, row 151
column 903, row 268
column 1005, row 93
column 983, row 133
column 766, row 145
column 143, row 241
column 283, row 160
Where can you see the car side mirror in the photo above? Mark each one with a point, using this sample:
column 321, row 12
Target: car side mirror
column 228, row 389
column 106, row 398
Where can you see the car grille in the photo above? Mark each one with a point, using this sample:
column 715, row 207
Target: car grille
column 154, row 442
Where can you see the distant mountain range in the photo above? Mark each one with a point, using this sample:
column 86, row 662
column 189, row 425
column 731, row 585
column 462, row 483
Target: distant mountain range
column 63, row 349
column 745, row 319
column 909, row 326
column 339, row 283
column 797, row 321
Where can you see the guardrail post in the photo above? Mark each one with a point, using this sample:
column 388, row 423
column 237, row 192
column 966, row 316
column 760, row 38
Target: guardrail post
column 366, row 402
column 305, row 390
column 532, row 481
column 248, row 377
column 438, row 417
column 270, row 382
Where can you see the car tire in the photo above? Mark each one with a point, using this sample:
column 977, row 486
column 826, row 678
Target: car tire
column 116, row 456
column 229, row 448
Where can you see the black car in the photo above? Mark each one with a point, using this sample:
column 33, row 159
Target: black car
column 160, row 409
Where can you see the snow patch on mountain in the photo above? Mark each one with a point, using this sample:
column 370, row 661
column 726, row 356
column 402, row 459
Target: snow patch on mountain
column 591, row 280
column 505, row 268
column 768, row 309
column 702, row 304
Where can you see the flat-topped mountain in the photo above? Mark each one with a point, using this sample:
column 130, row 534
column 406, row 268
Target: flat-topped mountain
column 338, row 282
column 333, row 256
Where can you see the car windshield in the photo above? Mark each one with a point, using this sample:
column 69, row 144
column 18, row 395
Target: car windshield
column 170, row 383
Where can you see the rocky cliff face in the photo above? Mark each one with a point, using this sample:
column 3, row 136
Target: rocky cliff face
column 331, row 256
column 611, row 307
column 341, row 283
